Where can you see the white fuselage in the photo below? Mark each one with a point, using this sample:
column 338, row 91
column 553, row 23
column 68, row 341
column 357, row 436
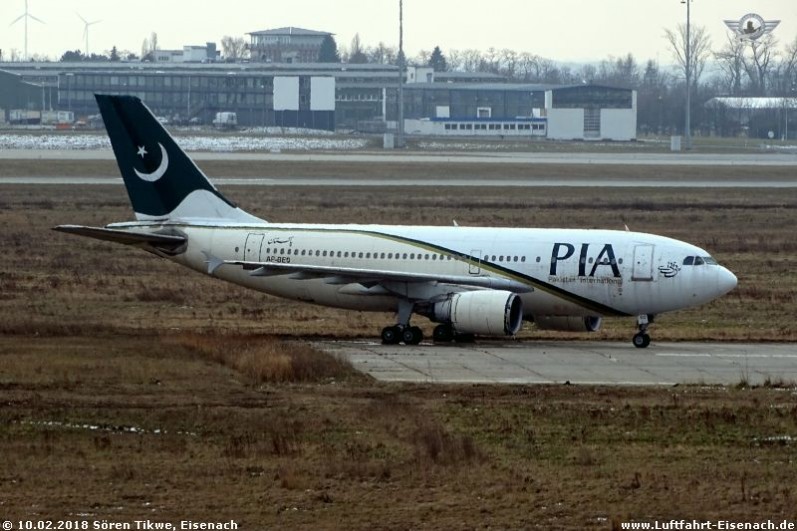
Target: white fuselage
column 568, row 272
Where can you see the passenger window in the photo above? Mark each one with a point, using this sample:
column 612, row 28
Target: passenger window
column 382, row 256
column 360, row 255
column 434, row 257
column 339, row 253
column 426, row 257
column 404, row 256
column 689, row 260
column 303, row 252
column 412, row 256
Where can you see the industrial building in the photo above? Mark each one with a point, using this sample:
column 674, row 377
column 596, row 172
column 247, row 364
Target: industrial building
column 332, row 96
column 286, row 45
column 755, row 117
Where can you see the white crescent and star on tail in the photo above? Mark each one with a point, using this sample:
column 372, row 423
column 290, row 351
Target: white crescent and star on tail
column 160, row 171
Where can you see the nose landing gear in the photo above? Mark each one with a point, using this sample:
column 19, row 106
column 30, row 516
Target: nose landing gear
column 641, row 339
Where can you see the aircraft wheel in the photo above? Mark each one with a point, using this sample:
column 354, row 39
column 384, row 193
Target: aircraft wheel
column 412, row 335
column 391, row 335
column 641, row 340
column 443, row 333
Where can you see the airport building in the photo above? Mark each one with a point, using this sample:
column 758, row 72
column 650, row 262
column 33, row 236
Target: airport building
column 331, row 96
column 754, row 117
column 286, row 45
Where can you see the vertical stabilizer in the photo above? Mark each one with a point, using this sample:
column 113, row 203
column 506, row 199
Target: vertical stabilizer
column 161, row 180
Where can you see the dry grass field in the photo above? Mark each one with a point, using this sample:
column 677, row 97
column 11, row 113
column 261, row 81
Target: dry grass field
column 131, row 388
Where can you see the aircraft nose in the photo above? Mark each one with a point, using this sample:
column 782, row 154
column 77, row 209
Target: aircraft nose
column 726, row 281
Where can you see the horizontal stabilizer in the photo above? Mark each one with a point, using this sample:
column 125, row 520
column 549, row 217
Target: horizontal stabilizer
column 126, row 237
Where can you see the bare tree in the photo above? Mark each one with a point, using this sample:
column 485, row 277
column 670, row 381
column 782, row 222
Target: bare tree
column 454, row 59
column 233, row 48
column 382, row 54
column 508, row 60
column 757, row 63
column 490, row 61
column 423, row 57
column 526, row 66
column 471, row 59
column 700, row 50
column 786, row 79
column 730, row 59
column 357, row 54
column 149, row 46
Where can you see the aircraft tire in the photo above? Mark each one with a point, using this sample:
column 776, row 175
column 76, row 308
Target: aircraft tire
column 412, row 335
column 641, row 340
column 443, row 334
column 391, row 335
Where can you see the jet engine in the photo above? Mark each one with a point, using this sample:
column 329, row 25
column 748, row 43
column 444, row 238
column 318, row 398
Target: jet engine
column 591, row 323
column 488, row 312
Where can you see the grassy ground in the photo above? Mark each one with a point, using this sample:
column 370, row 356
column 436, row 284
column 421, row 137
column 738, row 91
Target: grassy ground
column 171, row 426
column 419, row 170
column 97, row 284
column 130, row 388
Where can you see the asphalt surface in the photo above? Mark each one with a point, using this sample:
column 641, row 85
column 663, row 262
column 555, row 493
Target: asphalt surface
column 640, row 159
column 576, row 362
column 457, row 183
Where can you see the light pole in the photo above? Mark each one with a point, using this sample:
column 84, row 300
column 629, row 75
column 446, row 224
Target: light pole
column 400, row 130
column 688, row 118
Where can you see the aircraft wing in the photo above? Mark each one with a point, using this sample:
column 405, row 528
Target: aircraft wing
column 367, row 277
column 126, row 237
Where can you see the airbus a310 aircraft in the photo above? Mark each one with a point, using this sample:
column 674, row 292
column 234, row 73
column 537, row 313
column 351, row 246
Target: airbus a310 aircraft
column 472, row 281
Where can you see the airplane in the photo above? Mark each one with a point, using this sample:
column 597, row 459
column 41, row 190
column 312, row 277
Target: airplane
column 471, row 281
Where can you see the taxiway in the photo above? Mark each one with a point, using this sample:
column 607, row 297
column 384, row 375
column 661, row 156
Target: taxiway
column 574, row 362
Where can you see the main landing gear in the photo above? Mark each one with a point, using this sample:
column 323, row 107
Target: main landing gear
column 409, row 335
column 642, row 339
column 402, row 332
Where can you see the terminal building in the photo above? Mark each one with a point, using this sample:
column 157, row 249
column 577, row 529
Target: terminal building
column 330, row 96
column 286, row 45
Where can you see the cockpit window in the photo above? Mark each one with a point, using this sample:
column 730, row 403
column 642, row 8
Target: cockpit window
column 699, row 260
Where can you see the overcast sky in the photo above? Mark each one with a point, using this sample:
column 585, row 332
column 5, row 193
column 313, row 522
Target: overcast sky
column 563, row 30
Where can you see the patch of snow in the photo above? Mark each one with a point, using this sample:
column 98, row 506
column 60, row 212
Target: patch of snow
column 95, row 427
column 188, row 143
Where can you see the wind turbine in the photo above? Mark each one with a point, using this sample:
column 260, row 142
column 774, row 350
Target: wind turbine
column 86, row 31
column 26, row 15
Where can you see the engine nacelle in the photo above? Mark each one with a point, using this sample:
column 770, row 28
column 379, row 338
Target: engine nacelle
column 568, row 323
column 488, row 312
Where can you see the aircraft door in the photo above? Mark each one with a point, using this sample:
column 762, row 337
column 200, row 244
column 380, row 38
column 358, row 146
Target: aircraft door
column 643, row 263
column 475, row 265
column 252, row 247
